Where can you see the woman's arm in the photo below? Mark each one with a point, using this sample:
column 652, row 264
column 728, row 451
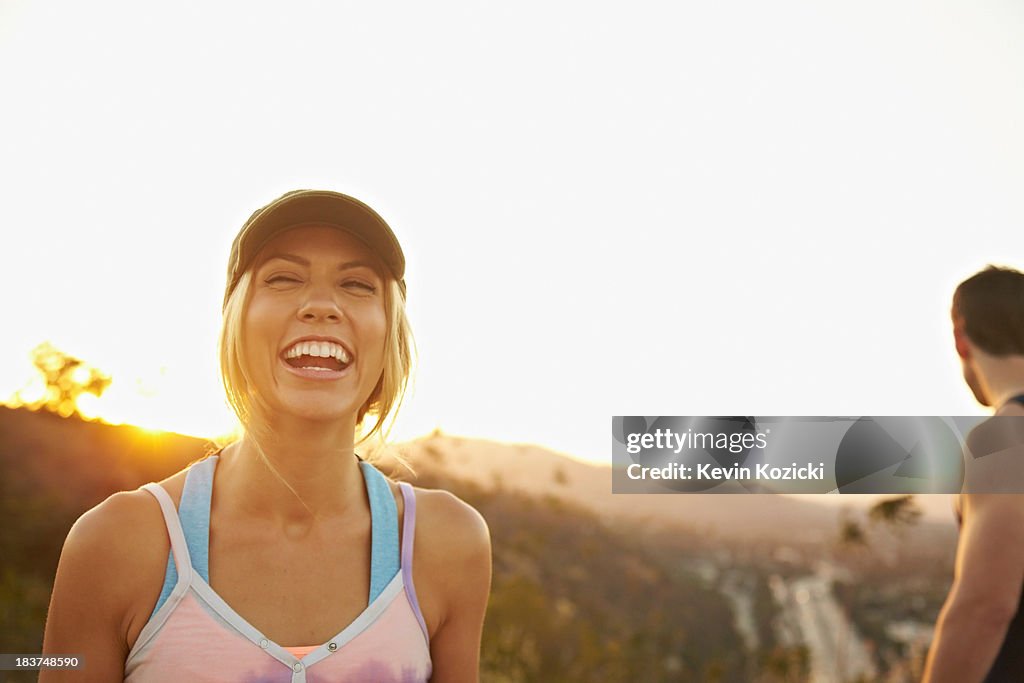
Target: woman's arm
column 94, row 589
column 454, row 546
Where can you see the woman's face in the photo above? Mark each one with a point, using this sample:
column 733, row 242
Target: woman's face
column 314, row 329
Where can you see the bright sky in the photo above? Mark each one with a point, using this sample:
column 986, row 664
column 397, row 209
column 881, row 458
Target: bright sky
column 676, row 209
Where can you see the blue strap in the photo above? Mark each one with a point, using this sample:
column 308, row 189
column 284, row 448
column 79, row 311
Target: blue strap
column 384, row 553
column 194, row 513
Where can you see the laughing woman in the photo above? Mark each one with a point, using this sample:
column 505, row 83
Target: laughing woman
column 285, row 557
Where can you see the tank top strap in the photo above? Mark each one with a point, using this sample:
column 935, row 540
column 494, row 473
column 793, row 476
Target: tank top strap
column 408, row 524
column 408, row 540
column 384, row 552
column 179, row 548
column 193, row 523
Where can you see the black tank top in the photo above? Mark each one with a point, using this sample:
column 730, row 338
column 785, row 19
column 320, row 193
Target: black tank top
column 1009, row 664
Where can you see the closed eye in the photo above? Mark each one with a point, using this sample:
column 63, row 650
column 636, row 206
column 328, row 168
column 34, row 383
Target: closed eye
column 360, row 285
column 356, row 285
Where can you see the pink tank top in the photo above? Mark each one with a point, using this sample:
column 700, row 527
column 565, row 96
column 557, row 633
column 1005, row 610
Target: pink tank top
column 195, row 636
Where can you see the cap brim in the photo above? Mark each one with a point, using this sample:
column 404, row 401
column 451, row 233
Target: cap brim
column 328, row 208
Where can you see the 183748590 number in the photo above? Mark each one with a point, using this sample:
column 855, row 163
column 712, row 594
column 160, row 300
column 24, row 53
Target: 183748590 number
column 36, row 662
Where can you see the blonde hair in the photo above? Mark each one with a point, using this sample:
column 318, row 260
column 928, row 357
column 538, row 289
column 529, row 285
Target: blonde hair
column 383, row 403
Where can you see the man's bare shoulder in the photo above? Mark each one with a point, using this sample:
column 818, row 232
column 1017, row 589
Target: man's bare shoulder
column 1002, row 509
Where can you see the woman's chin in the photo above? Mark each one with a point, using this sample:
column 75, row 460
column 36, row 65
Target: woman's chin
column 316, row 412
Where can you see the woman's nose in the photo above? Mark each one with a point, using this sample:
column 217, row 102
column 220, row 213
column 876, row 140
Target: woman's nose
column 320, row 305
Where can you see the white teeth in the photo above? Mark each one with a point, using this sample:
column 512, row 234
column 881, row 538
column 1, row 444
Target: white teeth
column 319, row 350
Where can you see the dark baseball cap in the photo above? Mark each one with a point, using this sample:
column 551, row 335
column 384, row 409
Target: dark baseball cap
column 301, row 207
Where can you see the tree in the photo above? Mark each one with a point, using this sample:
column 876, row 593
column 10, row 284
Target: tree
column 66, row 379
column 898, row 512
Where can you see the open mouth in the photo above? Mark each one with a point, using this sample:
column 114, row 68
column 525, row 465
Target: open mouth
column 318, row 356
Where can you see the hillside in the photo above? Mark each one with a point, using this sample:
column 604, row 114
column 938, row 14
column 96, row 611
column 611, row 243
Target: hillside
column 572, row 598
column 587, row 585
column 537, row 471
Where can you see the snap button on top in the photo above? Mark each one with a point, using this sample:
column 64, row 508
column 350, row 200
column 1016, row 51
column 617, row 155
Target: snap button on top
column 297, row 667
column 264, row 643
column 332, row 646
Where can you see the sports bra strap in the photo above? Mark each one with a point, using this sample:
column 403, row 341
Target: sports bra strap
column 384, row 554
column 192, row 524
column 194, row 511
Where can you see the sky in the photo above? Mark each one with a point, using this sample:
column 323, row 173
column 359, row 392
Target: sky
column 667, row 209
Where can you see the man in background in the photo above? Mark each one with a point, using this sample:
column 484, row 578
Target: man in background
column 979, row 636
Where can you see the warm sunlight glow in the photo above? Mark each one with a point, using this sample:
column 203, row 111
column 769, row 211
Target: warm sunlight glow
column 713, row 186
column 152, row 431
column 88, row 407
column 669, row 208
column 32, row 391
column 80, row 375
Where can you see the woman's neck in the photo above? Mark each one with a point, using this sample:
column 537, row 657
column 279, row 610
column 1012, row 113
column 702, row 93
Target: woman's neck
column 298, row 476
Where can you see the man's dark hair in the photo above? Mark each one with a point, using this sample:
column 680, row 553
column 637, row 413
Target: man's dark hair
column 990, row 307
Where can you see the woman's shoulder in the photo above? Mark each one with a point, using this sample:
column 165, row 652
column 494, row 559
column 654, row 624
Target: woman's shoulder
column 126, row 517
column 452, row 562
column 124, row 522
column 117, row 552
column 442, row 518
column 452, row 537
